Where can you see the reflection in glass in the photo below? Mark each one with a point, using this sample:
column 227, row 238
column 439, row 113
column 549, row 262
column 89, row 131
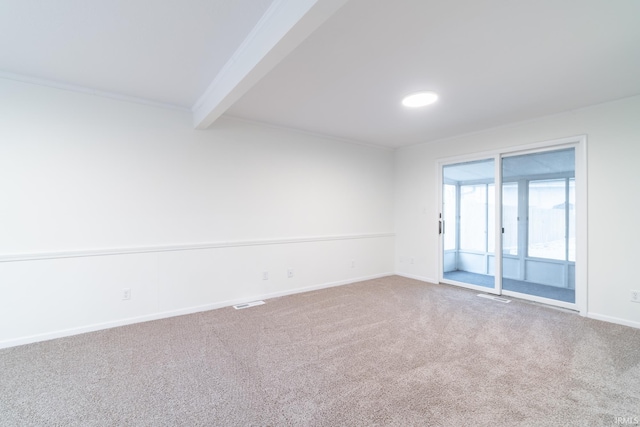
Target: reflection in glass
column 449, row 208
column 547, row 219
column 510, row 218
column 473, row 217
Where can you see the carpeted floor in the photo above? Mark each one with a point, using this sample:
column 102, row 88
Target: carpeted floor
column 391, row 351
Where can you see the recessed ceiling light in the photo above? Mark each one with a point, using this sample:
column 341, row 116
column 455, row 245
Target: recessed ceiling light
column 419, row 99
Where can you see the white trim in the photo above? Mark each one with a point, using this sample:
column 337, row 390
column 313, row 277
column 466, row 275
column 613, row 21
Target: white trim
column 185, row 247
column 243, row 49
column 471, row 286
column 88, row 91
column 166, row 314
column 543, row 147
column 440, row 218
column 515, row 150
column 582, row 229
column 497, row 218
column 281, row 29
column 541, row 300
column 615, row 320
column 416, row 277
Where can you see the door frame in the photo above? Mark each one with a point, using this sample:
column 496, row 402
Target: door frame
column 579, row 143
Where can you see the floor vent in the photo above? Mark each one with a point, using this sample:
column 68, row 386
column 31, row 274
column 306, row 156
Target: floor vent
column 247, row 305
column 495, row 298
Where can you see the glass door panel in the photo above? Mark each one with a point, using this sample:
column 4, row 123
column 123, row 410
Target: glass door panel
column 468, row 205
column 538, row 218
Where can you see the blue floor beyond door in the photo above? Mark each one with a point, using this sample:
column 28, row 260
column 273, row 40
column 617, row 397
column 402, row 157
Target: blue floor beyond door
column 545, row 291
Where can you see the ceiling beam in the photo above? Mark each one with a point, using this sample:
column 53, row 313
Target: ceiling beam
column 284, row 26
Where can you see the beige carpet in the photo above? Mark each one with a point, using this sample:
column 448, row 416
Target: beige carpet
column 391, row 351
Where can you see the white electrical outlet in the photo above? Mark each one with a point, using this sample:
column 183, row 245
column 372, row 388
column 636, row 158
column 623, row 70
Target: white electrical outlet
column 126, row 294
column 635, row 295
column 265, row 275
column 290, row 273
column 412, row 261
column 353, row 263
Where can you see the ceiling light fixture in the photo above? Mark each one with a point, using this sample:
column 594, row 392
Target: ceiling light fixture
column 419, row 99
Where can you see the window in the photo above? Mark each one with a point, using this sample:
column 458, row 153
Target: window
column 491, row 218
column 510, row 218
column 571, row 239
column 550, row 220
column 473, row 217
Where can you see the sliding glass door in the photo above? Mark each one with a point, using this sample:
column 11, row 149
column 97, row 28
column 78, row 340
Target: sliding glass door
column 520, row 240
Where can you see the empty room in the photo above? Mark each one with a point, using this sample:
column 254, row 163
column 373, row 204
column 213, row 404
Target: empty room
column 319, row 213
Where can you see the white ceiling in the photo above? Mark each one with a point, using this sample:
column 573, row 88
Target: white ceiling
column 335, row 69
column 166, row 51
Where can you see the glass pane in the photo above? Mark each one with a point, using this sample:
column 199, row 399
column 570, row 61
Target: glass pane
column 510, row 218
column 466, row 188
column 537, row 212
column 473, row 217
column 449, row 207
column 491, row 218
column 572, row 220
column 547, row 203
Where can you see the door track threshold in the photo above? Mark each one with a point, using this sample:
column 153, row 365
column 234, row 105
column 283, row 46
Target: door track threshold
column 495, row 298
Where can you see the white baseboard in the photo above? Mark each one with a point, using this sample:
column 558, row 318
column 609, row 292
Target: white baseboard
column 166, row 314
column 421, row 278
column 615, row 320
column 322, row 286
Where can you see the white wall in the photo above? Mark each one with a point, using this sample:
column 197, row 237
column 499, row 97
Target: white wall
column 613, row 151
column 98, row 195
